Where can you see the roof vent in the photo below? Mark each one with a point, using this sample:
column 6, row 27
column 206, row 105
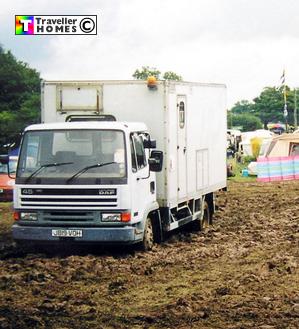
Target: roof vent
column 102, row 117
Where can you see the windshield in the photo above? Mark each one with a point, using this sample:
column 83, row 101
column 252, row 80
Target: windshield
column 60, row 154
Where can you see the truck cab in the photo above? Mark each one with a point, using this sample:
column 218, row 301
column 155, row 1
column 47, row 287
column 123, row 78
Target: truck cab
column 87, row 182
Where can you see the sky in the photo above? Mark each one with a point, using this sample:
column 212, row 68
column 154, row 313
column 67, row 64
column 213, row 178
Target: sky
column 245, row 44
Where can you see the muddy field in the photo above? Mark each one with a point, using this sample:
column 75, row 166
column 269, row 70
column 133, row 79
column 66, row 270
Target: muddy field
column 241, row 273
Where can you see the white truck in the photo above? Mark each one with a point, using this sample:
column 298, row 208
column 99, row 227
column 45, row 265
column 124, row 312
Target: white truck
column 89, row 173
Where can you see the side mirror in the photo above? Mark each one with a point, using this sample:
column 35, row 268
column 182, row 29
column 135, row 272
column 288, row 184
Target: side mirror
column 4, row 159
column 156, row 161
column 149, row 144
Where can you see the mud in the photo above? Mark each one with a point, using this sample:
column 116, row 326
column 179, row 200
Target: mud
column 243, row 272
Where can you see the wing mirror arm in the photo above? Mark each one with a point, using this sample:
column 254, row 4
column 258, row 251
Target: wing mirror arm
column 149, row 144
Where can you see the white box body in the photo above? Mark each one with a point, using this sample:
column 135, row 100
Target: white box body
column 188, row 120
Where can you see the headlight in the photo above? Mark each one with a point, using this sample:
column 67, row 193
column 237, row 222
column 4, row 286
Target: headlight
column 28, row 216
column 111, row 217
column 11, row 182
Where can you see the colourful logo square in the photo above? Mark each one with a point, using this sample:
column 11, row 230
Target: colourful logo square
column 24, row 24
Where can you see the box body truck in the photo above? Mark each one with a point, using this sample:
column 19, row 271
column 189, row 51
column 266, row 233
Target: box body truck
column 91, row 172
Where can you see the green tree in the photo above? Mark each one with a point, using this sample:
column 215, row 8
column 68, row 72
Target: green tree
column 30, row 110
column 19, row 96
column 146, row 72
column 243, row 107
column 247, row 121
column 269, row 105
column 169, row 75
column 8, row 130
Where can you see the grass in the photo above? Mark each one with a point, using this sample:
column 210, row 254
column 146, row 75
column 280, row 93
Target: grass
column 6, row 221
column 5, row 210
column 237, row 170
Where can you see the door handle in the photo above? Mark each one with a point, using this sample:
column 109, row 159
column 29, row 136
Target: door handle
column 152, row 187
column 185, row 149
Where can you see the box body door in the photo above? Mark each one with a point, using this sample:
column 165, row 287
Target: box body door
column 182, row 147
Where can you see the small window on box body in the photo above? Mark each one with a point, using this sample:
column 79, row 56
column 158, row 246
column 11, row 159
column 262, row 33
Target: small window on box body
column 182, row 114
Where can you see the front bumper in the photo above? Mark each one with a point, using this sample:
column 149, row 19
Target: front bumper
column 113, row 235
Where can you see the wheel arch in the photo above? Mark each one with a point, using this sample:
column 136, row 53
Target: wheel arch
column 153, row 212
column 155, row 217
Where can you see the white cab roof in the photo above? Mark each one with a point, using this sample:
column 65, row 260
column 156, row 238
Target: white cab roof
column 82, row 125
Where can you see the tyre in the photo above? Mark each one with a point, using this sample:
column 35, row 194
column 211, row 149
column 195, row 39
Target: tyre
column 148, row 237
column 202, row 224
column 206, row 220
column 196, row 225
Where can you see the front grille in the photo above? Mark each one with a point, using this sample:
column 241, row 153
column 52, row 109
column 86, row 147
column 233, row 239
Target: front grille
column 68, row 216
column 68, row 191
column 68, row 198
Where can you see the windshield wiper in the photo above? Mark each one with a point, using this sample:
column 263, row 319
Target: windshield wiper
column 83, row 170
column 48, row 165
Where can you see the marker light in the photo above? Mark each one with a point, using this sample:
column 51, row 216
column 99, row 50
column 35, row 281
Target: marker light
column 125, row 216
column 152, row 82
column 16, row 215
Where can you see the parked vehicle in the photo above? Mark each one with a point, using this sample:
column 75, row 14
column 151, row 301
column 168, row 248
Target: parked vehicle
column 245, row 147
column 85, row 177
column 281, row 162
column 233, row 141
column 6, row 182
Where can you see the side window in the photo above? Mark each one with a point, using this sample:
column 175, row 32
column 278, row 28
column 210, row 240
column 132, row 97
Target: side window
column 137, row 152
column 133, row 155
column 294, row 149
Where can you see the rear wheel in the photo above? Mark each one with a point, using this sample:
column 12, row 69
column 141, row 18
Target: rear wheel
column 205, row 221
column 148, row 238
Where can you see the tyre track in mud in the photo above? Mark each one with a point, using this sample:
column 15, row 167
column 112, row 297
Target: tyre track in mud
column 243, row 272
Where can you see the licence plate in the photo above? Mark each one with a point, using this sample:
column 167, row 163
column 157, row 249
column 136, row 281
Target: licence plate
column 67, row 233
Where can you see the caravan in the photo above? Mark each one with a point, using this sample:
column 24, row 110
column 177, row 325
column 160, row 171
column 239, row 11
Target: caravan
column 281, row 161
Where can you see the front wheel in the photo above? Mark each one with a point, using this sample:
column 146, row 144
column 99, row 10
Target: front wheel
column 148, row 237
